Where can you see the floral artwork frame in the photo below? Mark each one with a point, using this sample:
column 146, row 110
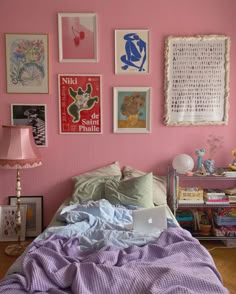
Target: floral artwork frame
column 197, row 80
column 34, row 213
column 80, row 106
column 131, row 110
column 27, row 63
column 132, row 52
column 34, row 115
column 8, row 228
column 77, row 35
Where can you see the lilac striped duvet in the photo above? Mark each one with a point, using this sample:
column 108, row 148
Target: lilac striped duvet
column 174, row 263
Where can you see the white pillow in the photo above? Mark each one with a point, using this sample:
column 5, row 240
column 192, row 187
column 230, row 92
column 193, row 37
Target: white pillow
column 91, row 185
column 159, row 184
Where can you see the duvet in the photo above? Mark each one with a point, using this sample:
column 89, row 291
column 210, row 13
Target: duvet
column 94, row 252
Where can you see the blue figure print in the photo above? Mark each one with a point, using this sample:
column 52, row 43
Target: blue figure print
column 136, row 54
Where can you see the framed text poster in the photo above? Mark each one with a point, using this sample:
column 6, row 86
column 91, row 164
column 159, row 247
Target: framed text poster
column 197, row 80
column 80, row 104
column 131, row 51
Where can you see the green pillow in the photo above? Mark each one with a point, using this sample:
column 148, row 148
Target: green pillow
column 136, row 191
column 86, row 189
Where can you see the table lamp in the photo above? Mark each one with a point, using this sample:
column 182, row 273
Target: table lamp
column 18, row 151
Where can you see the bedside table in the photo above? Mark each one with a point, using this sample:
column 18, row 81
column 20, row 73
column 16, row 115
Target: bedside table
column 7, row 261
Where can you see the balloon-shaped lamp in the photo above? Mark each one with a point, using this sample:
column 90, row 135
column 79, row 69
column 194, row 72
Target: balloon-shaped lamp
column 183, row 163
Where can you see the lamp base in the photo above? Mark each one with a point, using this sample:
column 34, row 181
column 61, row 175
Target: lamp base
column 16, row 249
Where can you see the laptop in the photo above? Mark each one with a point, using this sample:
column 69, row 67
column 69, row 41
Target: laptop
column 150, row 220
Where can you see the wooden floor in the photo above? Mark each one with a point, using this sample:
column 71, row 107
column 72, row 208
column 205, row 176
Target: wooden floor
column 224, row 257
column 225, row 260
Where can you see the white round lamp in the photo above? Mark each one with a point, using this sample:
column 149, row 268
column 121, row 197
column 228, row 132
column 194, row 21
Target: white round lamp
column 183, row 163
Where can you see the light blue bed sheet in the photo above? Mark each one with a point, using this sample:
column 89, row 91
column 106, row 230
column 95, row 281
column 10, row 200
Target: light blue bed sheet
column 98, row 224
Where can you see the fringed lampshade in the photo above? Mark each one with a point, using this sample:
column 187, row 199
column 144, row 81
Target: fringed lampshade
column 18, row 151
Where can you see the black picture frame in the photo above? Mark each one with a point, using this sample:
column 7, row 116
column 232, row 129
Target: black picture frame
column 34, row 213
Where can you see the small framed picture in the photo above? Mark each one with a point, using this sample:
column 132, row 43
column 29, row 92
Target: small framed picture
column 34, row 213
column 8, row 227
column 131, row 51
column 80, row 103
column 27, row 63
column 131, row 109
column 77, row 37
column 31, row 115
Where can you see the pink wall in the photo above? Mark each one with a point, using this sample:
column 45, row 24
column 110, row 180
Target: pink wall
column 68, row 155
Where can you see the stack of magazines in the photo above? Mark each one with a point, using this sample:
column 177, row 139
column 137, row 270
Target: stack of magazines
column 215, row 197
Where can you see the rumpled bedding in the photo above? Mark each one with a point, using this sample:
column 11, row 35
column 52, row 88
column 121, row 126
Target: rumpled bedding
column 98, row 224
column 95, row 252
column 174, row 263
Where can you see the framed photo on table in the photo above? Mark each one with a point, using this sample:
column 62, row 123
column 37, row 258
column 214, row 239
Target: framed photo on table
column 77, row 35
column 27, row 63
column 131, row 110
column 131, row 51
column 80, row 103
column 32, row 115
column 34, row 213
column 8, row 228
column 197, row 80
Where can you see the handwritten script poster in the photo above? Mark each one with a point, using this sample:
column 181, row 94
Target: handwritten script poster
column 197, row 75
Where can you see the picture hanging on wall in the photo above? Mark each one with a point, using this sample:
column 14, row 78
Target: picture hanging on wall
column 80, row 103
column 197, row 80
column 31, row 115
column 77, row 34
column 27, row 63
column 131, row 51
column 131, row 109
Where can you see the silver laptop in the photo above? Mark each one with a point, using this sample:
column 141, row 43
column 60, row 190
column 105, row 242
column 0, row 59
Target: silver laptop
column 150, row 220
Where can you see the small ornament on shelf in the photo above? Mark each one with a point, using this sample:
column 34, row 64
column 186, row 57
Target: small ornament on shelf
column 215, row 143
column 199, row 153
column 232, row 166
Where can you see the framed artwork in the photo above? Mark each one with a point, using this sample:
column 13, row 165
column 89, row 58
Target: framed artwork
column 131, row 51
column 27, row 63
column 31, row 115
column 34, row 213
column 80, row 104
column 197, row 80
column 77, row 37
column 8, row 227
column 131, row 109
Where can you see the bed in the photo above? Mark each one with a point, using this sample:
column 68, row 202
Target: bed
column 89, row 247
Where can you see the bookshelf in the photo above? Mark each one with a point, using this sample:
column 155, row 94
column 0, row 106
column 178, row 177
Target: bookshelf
column 189, row 214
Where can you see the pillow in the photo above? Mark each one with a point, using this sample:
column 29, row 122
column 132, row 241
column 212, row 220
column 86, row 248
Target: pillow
column 136, row 191
column 91, row 185
column 159, row 184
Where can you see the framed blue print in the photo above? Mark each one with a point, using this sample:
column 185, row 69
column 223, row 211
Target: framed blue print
column 131, row 51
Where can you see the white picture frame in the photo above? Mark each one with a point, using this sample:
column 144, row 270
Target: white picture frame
column 80, row 104
column 77, row 35
column 27, row 63
column 34, row 115
column 132, row 52
column 196, row 80
column 137, row 119
column 8, row 227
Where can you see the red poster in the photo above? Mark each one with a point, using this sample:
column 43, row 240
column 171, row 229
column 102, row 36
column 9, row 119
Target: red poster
column 80, row 103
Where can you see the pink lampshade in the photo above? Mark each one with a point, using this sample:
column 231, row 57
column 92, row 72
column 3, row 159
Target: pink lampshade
column 17, row 148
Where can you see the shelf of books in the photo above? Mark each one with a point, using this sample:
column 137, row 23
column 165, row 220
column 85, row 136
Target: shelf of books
column 208, row 213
